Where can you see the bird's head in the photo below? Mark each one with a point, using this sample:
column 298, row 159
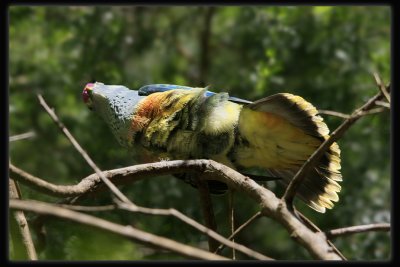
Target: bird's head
column 116, row 104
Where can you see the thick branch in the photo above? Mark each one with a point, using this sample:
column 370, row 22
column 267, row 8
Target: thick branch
column 125, row 231
column 382, row 227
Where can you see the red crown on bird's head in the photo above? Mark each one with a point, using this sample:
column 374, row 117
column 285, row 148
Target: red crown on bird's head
column 86, row 92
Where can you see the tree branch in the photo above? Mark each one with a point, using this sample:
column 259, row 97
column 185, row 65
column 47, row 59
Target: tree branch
column 231, row 219
column 271, row 206
column 57, row 121
column 383, row 104
column 92, row 183
column 212, row 234
column 239, row 229
column 22, row 223
column 18, row 137
column 315, row 228
column 334, row 113
column 125, row 231
column 382, row 87
column 383, row 227
column 207, row 209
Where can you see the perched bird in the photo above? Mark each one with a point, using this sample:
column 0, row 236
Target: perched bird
column 273, row 136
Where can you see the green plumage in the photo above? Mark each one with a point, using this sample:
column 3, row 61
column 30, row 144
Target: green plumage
column 275, row 134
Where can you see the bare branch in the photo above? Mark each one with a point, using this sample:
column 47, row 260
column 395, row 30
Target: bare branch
column 346, row 116
column 382, row 87
column 177, row 214
column 383, row 104
column 334, row 113
column 315, row 228
column 372, row 111
column 20, row 219
column 92, row 183
column 383, row 227
column 273, row 207
column 240, row 228
column 88, row 208
column 231, row 219
column 57, row 121
column 87, row 184
column 207, row 209
column 18, row 137
column 124, row 231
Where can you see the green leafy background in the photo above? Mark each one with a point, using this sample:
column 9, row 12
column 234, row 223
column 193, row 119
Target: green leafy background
column 325, row 54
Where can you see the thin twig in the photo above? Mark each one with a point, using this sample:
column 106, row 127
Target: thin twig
column 382, row 227
column 383, row 104
column 373, row 111
column 57, row 121
column 88, row 208
column 18, row 137
column 125, row 231
column 346, row 116
column 239, row 229
column 312, row 160
column 334, row 113
column 207, row 209
column 382, row 87
column 231, row 219
column 177, row 214
column 20, row 219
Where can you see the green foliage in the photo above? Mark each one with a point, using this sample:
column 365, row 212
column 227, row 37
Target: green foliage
column 325, row 54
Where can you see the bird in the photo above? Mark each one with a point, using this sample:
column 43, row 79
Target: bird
column 267, row 139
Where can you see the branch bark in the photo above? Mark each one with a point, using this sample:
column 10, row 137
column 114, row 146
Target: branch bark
column 125, row 231
column 382, row 87
column 208, row 211
column 81, row 151
column 240, row 228
column 271, row 206
column 382, row 227
column 92, row 183
column 18, row 137
column 209, row 232
column 22, row 223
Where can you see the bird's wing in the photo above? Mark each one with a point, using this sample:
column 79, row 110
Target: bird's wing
column 155, row 88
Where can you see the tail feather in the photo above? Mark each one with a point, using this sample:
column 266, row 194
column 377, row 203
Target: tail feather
column 289, row 130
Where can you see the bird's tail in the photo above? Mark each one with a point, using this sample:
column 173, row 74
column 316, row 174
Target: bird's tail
column 281, row 132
